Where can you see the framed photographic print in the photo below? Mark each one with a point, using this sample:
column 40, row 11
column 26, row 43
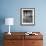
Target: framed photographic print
column 27, row 16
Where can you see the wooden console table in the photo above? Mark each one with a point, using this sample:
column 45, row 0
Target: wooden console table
column 20, row 39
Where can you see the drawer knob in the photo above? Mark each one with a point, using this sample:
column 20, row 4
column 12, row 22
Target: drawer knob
column 33, row 42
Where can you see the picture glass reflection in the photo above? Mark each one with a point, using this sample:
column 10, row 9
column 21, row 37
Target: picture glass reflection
column 27, row 16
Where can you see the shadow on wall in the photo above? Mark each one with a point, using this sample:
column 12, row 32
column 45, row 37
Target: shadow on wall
column 1, row 39
column 2, row 21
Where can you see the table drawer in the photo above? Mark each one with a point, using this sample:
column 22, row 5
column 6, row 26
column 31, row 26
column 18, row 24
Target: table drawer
column 33, row 43
column 13, row 43
column 9, row 43
column 34, row 37
column 16, row 37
